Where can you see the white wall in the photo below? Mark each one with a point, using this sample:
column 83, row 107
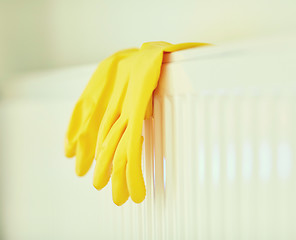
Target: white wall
column 54, row 33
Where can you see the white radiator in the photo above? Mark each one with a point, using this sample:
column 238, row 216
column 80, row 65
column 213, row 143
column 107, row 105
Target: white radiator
column 219, row 155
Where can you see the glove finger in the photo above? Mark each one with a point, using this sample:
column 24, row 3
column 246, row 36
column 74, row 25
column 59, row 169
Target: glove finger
column 115, row 105
column 120, row 192
column 89, row 110
column 80, row 113
column 135, row 180
column 84, row 140
column 85, row 153
column 105, row 156
column 86, row 104
column 86, row 144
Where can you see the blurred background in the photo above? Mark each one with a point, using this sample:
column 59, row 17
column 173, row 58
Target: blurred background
column 47, row 34
column 48, row 51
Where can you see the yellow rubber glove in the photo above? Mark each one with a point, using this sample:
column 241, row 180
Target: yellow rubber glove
column 82, row 132
column 119, row 143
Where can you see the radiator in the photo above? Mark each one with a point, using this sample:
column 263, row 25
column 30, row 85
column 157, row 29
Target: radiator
column 218, row 156
column 220, row 149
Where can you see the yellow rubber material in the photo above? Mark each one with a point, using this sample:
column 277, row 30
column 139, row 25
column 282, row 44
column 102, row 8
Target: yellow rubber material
column 107, row 120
